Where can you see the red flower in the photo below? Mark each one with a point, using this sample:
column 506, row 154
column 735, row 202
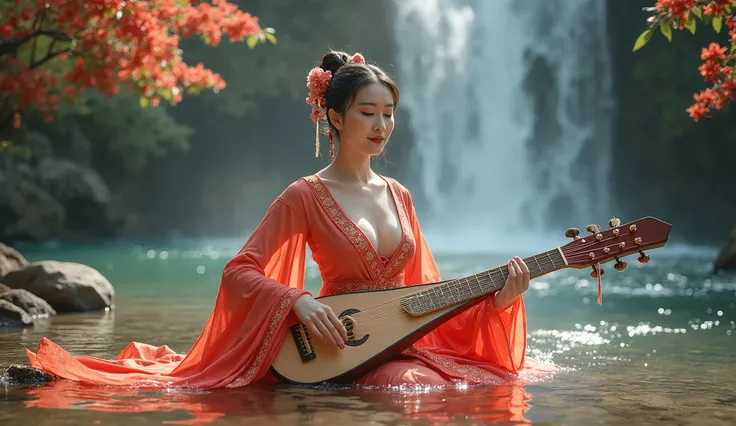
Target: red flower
column 118, row 42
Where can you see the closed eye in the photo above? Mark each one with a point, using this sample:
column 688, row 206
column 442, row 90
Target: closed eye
column 370, row 114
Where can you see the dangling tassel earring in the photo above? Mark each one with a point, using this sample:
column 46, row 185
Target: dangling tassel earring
column 316, row 141
column 332, row 144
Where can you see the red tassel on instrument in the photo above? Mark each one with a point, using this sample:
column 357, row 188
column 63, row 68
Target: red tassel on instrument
column 600, row 287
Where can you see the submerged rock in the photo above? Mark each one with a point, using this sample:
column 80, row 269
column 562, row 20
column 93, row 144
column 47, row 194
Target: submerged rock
column 25, row 374
column 726, row 259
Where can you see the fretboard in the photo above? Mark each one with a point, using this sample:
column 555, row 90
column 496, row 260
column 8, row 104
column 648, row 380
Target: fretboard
column 463, row 289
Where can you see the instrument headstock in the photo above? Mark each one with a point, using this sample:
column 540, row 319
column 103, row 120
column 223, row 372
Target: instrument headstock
column 618, row 241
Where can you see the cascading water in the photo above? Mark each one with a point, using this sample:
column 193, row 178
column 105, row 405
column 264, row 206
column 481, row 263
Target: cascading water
column 509, row 103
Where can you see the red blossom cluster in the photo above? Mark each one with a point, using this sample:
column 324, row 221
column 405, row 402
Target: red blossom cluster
column 718, row 62
column 676, row 8
column 718, row 71
column 51, row 50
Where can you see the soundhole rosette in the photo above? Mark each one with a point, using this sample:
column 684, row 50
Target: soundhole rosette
column 352, row 327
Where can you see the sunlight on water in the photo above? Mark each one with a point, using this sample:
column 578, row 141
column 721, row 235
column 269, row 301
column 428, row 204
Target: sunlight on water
column 659, row 349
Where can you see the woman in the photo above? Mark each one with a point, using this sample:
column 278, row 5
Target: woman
column 363, row 233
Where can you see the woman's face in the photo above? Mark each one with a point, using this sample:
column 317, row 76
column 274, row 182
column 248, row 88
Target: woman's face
column 367, row 124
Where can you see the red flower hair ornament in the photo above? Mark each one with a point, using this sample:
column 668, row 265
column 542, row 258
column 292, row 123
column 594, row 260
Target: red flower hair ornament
column 317, row 83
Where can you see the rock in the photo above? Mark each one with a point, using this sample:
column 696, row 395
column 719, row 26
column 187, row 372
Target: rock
column 27, row 211
column 25, row 374
column 10, row 260
column 39, row 145
column 32, row 304
column 13, row 316
column 68, row 181
column 66, row 286
column 726, row 259
column 4, row 288
column 81, row 191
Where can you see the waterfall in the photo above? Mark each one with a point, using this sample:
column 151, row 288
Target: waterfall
column 509, row 103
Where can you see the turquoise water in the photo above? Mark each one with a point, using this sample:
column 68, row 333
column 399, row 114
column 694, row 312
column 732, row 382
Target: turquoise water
column 659, row 350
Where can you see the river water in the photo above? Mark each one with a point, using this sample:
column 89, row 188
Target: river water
column 659, row 350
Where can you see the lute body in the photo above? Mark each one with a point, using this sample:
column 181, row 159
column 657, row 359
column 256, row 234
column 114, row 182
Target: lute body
column 371, row 340
column 382, row 323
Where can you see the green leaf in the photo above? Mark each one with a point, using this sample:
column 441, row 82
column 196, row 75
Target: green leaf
column 143, row 101
column 717, row 23
column 666, row 29
column 690, row 25
column 252, row 41
column 698, row 11
column 270, row 37
column 728, row 9
column 643, row 39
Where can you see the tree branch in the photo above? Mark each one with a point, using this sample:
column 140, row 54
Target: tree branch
column 9, row 46
column 37, row 25
column 49, row 56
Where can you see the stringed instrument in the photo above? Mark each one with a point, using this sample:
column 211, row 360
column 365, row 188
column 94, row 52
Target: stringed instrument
column 382, row 323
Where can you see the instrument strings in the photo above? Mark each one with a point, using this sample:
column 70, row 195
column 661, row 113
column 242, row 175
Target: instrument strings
column 389, row 309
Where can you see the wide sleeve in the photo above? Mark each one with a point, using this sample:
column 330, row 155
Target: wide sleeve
column 258, row 288
column 257, row 292
column 483, row 332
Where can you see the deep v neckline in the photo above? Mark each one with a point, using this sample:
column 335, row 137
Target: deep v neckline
column 357, row 229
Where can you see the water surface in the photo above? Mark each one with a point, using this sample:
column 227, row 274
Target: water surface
column 659, row 350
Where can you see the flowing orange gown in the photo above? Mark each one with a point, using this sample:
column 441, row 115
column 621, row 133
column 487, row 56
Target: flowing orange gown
column 483, row 345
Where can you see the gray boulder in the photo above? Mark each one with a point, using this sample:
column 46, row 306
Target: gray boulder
column 10, row 260
column 13, row 316
column 66, row 286
column 29, row 302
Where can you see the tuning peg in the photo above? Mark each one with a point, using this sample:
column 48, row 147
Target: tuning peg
column 620, row 265
column 572, row 233
column 593, row 228
column 614, row 222
column 643, row 258
column 594, row 272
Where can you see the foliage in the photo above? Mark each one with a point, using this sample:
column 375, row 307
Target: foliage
column 127, row 135
column 51, row 50
column 306, row 30
column 718, row 66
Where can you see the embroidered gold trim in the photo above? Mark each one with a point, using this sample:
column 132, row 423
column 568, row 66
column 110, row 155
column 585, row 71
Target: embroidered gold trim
column 467, row 372
column 408, row 244
column 276, row 321
column 330, row 288
column 356, row 236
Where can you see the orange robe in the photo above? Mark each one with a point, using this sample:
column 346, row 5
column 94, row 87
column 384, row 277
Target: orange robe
column 261, row 283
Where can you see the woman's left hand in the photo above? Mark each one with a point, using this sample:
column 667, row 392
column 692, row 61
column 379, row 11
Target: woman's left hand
column 516, row 284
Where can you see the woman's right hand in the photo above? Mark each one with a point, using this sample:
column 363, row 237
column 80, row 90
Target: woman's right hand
column 320, row 320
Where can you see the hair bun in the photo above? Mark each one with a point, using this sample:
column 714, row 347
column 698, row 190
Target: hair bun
column 334, row 60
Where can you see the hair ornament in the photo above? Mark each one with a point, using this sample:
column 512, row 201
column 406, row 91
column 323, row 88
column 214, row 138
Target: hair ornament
column 317, row 82
column 357, row 58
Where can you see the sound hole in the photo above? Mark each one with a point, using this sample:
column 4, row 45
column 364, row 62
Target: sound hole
column 351, row 326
